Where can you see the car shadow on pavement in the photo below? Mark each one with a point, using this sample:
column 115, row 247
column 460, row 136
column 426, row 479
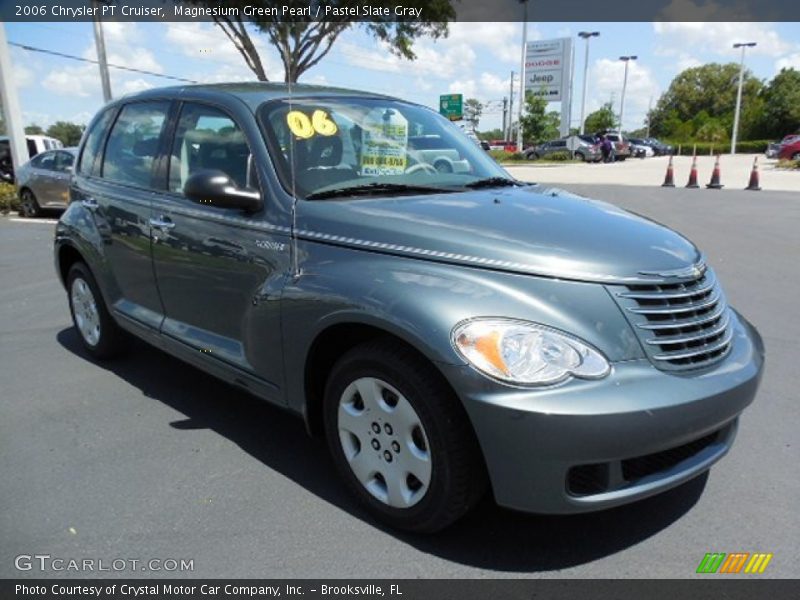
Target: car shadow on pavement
column 488, row 538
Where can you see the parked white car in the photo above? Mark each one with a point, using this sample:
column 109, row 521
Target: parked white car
column 433, row 150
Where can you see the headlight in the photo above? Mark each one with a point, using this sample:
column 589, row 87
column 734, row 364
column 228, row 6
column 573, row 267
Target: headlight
column 526, row 353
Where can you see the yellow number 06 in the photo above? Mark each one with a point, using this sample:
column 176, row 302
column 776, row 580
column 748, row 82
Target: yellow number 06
column 304, row 128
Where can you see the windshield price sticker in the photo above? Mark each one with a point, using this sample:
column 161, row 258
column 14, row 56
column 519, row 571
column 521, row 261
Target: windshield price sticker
column 320, row 123
column 384, row 143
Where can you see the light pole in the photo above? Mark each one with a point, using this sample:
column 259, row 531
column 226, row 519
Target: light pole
column 626, row 59
column 586, row 35
column 522, row 75
column 739, row 95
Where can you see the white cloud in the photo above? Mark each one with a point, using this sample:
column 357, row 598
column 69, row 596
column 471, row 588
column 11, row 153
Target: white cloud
column 718, row 38
column 84, row 80
column 685, row 61
column 606, row 82
column 791, row 61
column 209, row 42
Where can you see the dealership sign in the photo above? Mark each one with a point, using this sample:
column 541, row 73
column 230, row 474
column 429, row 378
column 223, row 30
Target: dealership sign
column 547, row 68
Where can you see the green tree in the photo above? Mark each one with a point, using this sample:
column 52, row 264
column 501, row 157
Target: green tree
column 302, row 42
column 491, row 134
column 708, row 88
column 602, row 118
column 69, row 133
column 781, row 108
column 34, row 129
column 538, row 125
column 473, row 110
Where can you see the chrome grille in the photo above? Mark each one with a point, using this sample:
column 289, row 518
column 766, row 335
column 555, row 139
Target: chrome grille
column 682, row 325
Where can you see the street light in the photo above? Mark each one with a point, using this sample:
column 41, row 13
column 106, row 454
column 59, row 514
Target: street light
column 739, row 95
column 626, row 59
column 586, row 35
column 522, row 74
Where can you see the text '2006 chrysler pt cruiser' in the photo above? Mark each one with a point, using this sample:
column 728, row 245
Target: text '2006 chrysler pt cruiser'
column 448, row 330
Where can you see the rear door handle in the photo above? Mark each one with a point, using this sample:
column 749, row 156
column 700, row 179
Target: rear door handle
column 90, row 203
column 162, row 223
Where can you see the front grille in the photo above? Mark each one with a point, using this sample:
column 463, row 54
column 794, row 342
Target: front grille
column 642, row 466
column 683, row 325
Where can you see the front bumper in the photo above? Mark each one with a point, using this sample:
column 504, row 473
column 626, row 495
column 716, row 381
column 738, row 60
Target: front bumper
column 590, row 445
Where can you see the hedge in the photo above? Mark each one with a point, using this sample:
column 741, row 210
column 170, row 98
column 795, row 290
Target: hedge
column 744, row 147
column 8, row 198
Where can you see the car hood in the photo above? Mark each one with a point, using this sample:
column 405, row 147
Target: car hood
column 531, row 229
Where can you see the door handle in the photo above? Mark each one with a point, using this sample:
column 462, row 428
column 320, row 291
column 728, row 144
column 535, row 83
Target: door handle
column 90, row 203
column 162, row 223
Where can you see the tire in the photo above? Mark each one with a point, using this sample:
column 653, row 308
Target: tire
column 28, row 205
column 419, row 464
column 796, row 156
column 99, row 333
column 580, row 156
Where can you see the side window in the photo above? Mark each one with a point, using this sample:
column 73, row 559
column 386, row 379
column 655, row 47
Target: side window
column 64, row 161
column 32, row 150
column 207, row 138
column 133, row 143
column 89, row 162
column 46, row 161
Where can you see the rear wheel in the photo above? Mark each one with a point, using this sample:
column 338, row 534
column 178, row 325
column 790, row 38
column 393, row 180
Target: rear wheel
column 28, row 205
column 98, row 332
column 796, row 156
column 400, row 438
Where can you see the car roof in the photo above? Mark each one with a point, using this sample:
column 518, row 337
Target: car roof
column 251, row 93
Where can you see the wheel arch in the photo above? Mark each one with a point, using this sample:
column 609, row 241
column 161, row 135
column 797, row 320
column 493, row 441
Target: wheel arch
column 330, row 344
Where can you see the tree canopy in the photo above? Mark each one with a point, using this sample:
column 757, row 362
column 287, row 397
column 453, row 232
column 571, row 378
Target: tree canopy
column 602, row 118
column 69, row 133
column 538, row 125
column 473, row 109
column 302, row 43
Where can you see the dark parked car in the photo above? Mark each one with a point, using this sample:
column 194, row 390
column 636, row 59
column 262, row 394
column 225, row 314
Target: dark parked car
column 447, row 333
column 43, row 182
column 659, row 148
column 582, row 147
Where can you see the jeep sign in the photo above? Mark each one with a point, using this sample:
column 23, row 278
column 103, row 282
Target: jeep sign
column 548, row 73
column 547, row 65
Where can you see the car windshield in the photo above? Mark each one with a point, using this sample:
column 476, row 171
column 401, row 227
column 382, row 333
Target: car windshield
column 324, row 147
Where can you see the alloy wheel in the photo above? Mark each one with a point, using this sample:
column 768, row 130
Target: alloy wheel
column 84, row 309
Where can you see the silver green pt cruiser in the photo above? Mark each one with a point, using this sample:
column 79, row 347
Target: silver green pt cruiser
column 449, row 330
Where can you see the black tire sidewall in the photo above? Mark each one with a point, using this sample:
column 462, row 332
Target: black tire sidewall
column 29, row 206
column 109, row 341
column 355, row 365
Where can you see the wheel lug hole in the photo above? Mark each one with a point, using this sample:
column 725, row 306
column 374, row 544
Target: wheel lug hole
column 376, row 444
column 387, row 455
column 376, row 428
column 396, row 446
column 388, row 429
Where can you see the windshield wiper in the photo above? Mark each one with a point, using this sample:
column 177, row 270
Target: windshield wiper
column 375, row 188
column 492, row 182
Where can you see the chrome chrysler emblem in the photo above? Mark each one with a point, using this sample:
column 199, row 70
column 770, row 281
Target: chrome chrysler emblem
column 694, row 271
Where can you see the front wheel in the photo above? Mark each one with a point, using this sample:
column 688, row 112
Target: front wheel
column 28, row 205
column 99, row 333
column 401, row 439
column 796, row 156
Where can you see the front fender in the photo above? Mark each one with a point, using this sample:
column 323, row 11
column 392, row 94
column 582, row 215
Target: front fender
column 420, row 301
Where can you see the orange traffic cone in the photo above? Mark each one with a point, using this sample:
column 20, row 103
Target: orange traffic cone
column 693, row 174
column 753, row 185
column 669, row 179
column 714, row 184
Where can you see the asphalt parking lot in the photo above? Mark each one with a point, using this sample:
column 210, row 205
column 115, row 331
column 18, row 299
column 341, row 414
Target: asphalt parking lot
column 147, row 458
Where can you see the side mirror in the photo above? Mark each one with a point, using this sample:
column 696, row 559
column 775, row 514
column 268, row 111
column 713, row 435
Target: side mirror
column 215, row 188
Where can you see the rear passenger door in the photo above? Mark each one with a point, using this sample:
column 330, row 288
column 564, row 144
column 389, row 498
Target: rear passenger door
column 213, row 264
column 115, row 183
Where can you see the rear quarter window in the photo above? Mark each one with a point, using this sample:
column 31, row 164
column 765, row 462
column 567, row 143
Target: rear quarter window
column 89, row 163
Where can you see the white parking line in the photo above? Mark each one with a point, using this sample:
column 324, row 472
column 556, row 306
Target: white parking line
column 42, row 221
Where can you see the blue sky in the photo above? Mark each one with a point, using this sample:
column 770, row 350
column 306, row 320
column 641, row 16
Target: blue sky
column 476, row 60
